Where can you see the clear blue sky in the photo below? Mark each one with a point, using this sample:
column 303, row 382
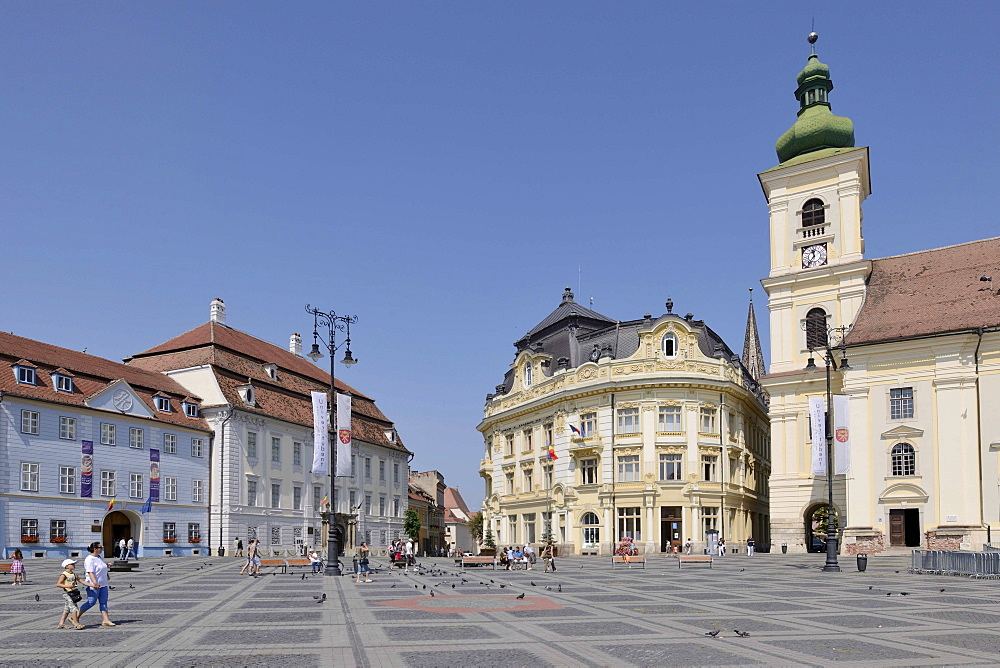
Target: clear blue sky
column 442, row 170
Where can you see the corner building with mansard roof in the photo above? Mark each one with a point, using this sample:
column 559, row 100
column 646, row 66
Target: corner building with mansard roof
column 659, row 431
column 923, row 348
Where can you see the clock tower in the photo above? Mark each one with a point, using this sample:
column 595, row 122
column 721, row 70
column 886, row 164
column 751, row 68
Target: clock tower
column 814, row 196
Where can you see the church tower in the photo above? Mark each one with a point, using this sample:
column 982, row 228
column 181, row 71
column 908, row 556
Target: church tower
column 814, row 197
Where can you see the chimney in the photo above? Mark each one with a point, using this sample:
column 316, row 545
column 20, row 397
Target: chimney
column 218, row 311
column 295, row 345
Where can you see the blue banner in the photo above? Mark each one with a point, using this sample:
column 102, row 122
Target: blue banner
column 87, row 470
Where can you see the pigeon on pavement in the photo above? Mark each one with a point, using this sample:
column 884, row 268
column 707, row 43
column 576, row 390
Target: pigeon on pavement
column 521, row 595
column 714, row 634
column 742, row 634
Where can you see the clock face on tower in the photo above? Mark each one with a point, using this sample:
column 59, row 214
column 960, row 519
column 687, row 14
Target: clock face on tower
column 814, row 256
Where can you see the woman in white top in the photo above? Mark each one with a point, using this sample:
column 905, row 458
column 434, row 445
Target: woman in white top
column 97, row 583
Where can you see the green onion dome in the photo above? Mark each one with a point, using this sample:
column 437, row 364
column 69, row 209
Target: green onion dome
column 816, row 128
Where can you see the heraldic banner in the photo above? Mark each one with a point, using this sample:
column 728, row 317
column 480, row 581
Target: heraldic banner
column 321, row 434
column 343, row 434
column 817, row 422
column 154, row 476
column 841, row 435
column 87, row 470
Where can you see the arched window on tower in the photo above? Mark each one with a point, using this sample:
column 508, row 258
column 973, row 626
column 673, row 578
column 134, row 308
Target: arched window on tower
column 904, row 459
column 813, row 213
column 669, row 345
column 816, row 329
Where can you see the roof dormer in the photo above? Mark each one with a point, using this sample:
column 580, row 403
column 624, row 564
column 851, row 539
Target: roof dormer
column 162, row 402
column 271, row 370
column 25, row 372
column 62, row 380
column 190, row 407
column 247, row 393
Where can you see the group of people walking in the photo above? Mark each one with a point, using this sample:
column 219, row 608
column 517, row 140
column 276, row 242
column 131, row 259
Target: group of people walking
column 96, row 583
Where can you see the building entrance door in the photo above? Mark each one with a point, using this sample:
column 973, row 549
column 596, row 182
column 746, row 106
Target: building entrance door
column 117, row 526
column 671, row 528
column 904, row 527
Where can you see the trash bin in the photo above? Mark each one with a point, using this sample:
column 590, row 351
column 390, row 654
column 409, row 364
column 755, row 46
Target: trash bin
column 222, row 551
column 784, row 548
column 862, row 562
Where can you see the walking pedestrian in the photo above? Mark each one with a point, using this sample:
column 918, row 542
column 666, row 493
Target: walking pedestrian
column 17, row 568
column 549, row 556
column 237, row 547
column 722, row 547
column 68, row 581
column 363, row 566
column 750, row 546
column 97, row 583
column 408, row 552
column 687, row 546
column 121, row 548
column 130, row 547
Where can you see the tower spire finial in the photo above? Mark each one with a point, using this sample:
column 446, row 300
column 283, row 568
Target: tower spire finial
column 813, row 36
column 753, row 356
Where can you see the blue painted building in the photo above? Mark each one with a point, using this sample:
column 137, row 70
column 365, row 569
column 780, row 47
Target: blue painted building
column 85, row 444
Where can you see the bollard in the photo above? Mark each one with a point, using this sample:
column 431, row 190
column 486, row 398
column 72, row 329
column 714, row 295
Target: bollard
column 862, row 562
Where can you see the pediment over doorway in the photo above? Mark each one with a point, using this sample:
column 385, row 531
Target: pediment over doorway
column 902, row 432
column 903, row 491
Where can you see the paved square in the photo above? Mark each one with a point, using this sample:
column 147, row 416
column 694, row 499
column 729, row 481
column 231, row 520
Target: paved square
column 198, row 612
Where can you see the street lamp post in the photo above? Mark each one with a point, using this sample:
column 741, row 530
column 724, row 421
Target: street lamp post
column 333, row 323
column 833, row 340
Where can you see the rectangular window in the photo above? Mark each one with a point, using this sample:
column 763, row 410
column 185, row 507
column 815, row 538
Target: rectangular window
column 170, row 443
column 368, row 504
column 135, row 437
column 63, row 383
column 529, row 527
column 197, row 447
column 527, row 440
column 251, row 445
column 296, row 498
column 107, row 434
column 198, row 491
column 547, row 476
column 29, row 422
column 57, row 528
column 25, row 375
column 368, row 468
column 354, row 466
column 395, row 474
column 317, row 496
column 29, row 477
column 669, row 419
column 296, row 453
column 108, row 481
column 353, row 499
column 191, row 410
column 275, row 495
column 276, row 450
column 169, row 531
column 395, row 507
column 170, row 489
column 588, row 424
column 163, row 404
column 67, row 480
column 628, row 421
column 548, row 435
column 251, row 493
column 135, row 485
column 381, row 471
column 194, row 532
column 588, row 471
column 512, row 523
column 670, row 467
column 510, row 445
column 29, row 528
column 630, row 523
column 381, row 506
column 527, row 473
column 509, row 476
column 709, row 464
column 706, row 424
column 67, row 428
column 900, row 403
column 709, row 519
column 628, row 468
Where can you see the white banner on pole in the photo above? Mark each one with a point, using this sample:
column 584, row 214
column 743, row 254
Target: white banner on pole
column 343, row 435
column 841, row 435
column 321, row 434
column 817, row 419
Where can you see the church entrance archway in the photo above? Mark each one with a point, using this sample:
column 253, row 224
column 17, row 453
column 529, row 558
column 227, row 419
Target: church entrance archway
column 117, row 525
column 816, row 527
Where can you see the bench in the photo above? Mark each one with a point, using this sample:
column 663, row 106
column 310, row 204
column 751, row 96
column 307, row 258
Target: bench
column 479, row 561
column 694, row 559
column 5, row 566
column 297, row 562
column 277, row 563
column 619, row 559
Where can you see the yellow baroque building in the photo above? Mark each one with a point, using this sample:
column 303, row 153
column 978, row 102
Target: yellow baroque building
column 921, row 333
column 659, row 433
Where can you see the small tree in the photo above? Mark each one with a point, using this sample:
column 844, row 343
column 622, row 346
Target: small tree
column 488, row 541
column 411, row 525
column 820, row 521
column 475, row 526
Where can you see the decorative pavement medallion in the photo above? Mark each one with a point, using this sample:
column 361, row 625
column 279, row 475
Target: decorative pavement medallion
column 482, row 603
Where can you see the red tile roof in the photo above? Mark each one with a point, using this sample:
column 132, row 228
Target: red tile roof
column 453, row 499
column 236, row 356
column 90, row 374
column 930, row 292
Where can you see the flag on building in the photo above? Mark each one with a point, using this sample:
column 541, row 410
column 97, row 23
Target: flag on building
column 575, row 430
column 552, row 453
column 111, row 505
column 326, row 499
column 147, row 507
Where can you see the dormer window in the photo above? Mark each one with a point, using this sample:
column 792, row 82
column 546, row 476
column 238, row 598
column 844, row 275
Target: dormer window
column 247, row 394
column 527, row 374
column 813, row 213
column 669, row 345
column 25, row 374
column 62, row 382
column 272, row 371
column 190, row 409
column 162, row 403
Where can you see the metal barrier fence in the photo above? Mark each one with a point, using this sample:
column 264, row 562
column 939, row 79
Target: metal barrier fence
column 956, row 562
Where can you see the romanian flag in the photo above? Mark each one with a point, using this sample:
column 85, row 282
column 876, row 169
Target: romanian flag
column 326, row 498
column 575, row 430
column 552, row 453
column 111, row 505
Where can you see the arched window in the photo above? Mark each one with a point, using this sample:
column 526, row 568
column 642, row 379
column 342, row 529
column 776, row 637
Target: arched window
column 813, row 213
column 669, row 345
column 904, row 459
column 527, row 374
column 591, row 530
column 816, row 329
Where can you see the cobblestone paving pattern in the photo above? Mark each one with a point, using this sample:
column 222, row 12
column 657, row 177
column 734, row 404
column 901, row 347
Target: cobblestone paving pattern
column 199, row 612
